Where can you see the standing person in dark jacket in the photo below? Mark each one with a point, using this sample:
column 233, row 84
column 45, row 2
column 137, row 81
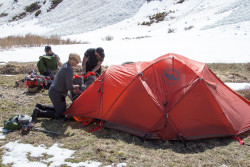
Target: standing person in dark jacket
column 92, row 60
column 58, row 90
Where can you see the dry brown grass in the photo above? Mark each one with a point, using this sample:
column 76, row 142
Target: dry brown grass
column 30, row 40
column 233, row 72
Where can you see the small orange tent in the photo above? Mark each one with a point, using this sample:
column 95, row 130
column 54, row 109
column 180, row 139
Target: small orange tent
column 171, row 97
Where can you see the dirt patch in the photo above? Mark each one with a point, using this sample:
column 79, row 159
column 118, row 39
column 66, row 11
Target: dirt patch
column 17, row 68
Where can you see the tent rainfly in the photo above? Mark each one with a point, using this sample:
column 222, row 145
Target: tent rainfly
column 169, row 98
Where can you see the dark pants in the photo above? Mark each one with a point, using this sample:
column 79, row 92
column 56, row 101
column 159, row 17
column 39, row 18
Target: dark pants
column 58, row 101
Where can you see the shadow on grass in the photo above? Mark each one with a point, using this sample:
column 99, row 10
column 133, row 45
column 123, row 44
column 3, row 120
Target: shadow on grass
column 53, row 128
column 192, row 146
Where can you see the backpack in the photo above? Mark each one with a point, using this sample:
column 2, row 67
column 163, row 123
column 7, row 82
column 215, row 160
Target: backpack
column 84, row 81
column 47, row 62
column 17, row 122
column 35, row 82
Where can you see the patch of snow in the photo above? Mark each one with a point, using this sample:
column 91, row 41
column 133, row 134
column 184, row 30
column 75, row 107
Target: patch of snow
column 17, row 154
column 238, row 86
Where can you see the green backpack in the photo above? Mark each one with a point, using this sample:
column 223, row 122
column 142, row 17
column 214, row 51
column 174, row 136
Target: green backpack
column 47, row 62
column 12, row 124
column 16, row 122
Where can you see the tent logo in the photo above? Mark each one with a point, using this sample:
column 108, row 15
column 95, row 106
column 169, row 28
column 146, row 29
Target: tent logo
column 171, row 76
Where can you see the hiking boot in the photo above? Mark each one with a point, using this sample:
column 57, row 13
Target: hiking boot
column 38, row 113
column 35, row 113
column 39, row 105
column 44, row 107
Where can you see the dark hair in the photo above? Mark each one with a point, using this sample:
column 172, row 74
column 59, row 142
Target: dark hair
column 100, row 50
column 47, row 48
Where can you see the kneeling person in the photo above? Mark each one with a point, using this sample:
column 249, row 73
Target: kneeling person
column 63, row 82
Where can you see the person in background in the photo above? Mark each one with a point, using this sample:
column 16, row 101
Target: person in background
column 49, row 63
column 58, row 90
column 92, row 60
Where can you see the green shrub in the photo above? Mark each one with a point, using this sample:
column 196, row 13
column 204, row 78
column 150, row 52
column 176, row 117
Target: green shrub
column 3, row 14
column 170, row 30
column 38, row 13
column 108, row 38
column 54, row 4
column 180, row 1
column 31, row 8
column 188, row 28
column 127, row 62
column 20, row 16
column 56, row 1
column 156, row 18
column 159, row 16
column 30, row 40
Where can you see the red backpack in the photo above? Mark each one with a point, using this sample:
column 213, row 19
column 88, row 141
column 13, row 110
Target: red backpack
column 35, row 82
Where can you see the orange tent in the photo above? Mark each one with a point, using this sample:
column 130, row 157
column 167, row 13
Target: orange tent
column 171, row 97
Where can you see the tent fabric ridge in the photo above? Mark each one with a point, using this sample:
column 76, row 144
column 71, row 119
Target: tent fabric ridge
column 158, row 122
column 213, row 87
column 139, row 74
column 196, row 79
column 101, row 98
column 193, row 84
column 120, row 95
column 220, row 108
column 243, row 131
column 225, row 115
column 175, row 127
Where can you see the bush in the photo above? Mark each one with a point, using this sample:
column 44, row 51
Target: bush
column 188, row 28
column 170, row 30
column 108, row 38
column 159, row 17
column 180, row 1
column 3, row 14
column 156, row 18
column 34, row 6
column 20, row 16
column 33, row 41
column 54, row 4
column 128, row 62
column 38, row 13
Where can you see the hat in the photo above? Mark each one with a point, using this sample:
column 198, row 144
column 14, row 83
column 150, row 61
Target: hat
column 75, row 56
column 100, row 50
column 47, row 48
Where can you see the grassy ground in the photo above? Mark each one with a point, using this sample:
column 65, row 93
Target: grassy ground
column 111, row 146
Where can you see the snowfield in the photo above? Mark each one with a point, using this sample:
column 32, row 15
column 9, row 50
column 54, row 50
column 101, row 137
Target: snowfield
column 206, row 31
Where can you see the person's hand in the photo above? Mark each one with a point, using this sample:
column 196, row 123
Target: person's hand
column 76, row 86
